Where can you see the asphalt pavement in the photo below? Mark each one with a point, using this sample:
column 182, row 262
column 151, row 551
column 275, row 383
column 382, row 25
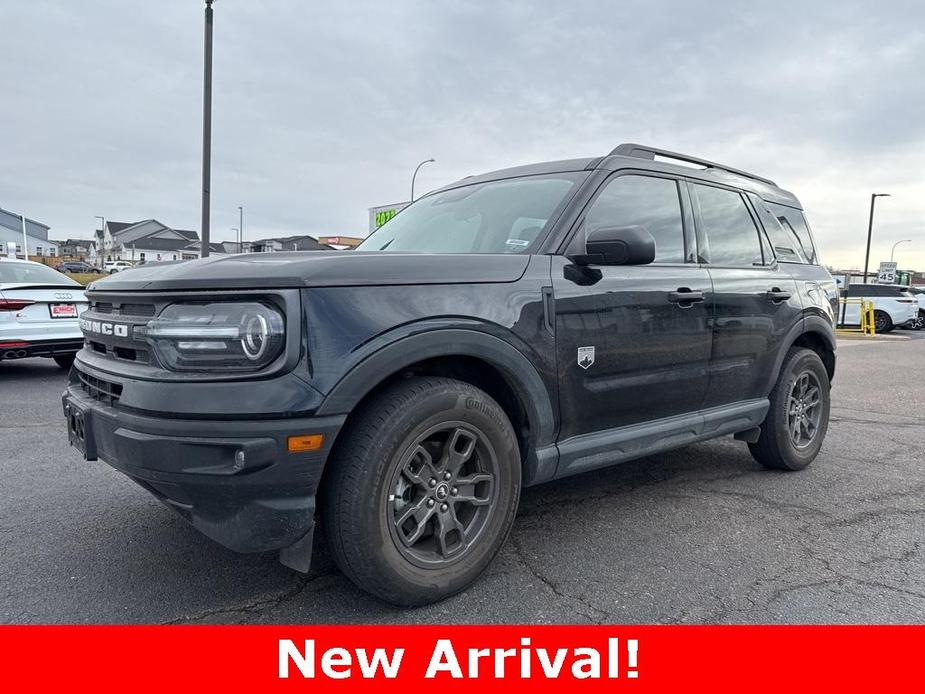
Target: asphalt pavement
column 698, row 535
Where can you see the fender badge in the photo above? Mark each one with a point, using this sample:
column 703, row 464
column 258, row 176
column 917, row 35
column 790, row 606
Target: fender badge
column 585, row 357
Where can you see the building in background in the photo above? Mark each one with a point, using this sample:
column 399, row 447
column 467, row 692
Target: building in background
column 36, row 235
column 341, row 242
column 285, row 243
column 146, row 241
column 81, row 249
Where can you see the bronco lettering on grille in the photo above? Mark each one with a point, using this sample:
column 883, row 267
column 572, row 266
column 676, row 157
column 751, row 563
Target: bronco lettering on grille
column 103, row 328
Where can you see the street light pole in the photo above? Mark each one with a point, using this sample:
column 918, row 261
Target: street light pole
column 25, row 239
column 240, row 227
column 895, row 245
column 415, row 175
column 870, row 229
column 206, row 131
column 102, row 235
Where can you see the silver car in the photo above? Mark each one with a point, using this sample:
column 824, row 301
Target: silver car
column 39, row 307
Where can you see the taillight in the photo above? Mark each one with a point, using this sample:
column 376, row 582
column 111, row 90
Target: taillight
column 14, row 304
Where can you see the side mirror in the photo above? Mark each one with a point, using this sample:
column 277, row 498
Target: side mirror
column 617, row 246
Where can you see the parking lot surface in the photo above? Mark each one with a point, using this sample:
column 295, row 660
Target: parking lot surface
column 702, row 534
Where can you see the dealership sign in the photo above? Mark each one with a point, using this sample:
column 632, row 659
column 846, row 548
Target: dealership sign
column 380, row 215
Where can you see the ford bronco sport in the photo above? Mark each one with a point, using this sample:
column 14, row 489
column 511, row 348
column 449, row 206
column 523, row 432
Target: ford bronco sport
column 506, row 330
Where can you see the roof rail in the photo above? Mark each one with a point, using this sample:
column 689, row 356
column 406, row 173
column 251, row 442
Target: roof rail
column 644, row 152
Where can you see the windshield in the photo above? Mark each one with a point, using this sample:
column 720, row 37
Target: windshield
column 496, row 217
column 32, row 273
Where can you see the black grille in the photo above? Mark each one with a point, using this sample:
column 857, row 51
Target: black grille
column 116, row 309
column 105, row 392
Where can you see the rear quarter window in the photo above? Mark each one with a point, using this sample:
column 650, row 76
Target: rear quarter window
column 793, row 221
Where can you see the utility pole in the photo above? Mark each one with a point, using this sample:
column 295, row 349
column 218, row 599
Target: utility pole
column 206, row 132
column 870, row 229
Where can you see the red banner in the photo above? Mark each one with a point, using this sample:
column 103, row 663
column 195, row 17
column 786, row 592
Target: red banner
column 462, row 658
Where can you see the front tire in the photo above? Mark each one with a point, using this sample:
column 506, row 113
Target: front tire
column 798, row 418
column 422, row 490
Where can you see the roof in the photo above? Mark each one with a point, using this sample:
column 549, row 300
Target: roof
column 150, row 243
column 643, row 157
column 13, row 222
column 116, row 227
column 191, row 235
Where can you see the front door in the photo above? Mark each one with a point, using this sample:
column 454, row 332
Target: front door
column 633, row 342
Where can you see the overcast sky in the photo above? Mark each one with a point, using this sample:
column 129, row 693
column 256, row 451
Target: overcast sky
column 322, row 109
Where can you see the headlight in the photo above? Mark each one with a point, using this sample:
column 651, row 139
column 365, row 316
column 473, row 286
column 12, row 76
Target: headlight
column 216, row 336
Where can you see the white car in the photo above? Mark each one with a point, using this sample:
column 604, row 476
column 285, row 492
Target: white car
column 113, row 266
column 894, row 306
column 39, row 307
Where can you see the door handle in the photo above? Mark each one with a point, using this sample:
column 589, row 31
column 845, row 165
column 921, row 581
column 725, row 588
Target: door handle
column 684, row 297
column 778, row 295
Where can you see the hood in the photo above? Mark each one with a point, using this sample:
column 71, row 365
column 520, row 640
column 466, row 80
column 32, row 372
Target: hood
column 318, row 269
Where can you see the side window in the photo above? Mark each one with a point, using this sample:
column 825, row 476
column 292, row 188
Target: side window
column 729, row 234
column 646, row 201
column 866, row 290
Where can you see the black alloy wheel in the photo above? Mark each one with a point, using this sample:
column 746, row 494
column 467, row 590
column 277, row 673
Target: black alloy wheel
column 441, row 493
column 804, row 411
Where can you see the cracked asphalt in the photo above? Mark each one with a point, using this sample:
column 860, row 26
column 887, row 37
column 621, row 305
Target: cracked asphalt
column 698, row 535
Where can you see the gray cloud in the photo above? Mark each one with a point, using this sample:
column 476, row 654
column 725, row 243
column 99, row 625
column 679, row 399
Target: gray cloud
column 322, row 109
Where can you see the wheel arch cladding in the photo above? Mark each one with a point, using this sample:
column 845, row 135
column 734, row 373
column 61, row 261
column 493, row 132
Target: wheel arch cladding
column 485, row 361
column 812, row 332
column 816, row 342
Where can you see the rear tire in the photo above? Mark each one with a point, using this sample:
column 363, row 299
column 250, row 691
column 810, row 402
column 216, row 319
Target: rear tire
column 422, row 490
column 882, row 322
column 65, row 361
column 798, row 418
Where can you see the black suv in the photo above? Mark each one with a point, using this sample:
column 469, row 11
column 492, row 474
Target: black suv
column 506, row 330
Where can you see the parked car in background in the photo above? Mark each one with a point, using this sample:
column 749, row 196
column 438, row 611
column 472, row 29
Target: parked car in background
column 919, row 294
column 77, row 266
column 894, row 306
column 39, row 309
column 111, row 267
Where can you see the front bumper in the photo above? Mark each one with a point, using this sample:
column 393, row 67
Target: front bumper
column 233, row 479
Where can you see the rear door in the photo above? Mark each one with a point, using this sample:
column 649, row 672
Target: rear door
column 755, row 299
column 633, row 342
